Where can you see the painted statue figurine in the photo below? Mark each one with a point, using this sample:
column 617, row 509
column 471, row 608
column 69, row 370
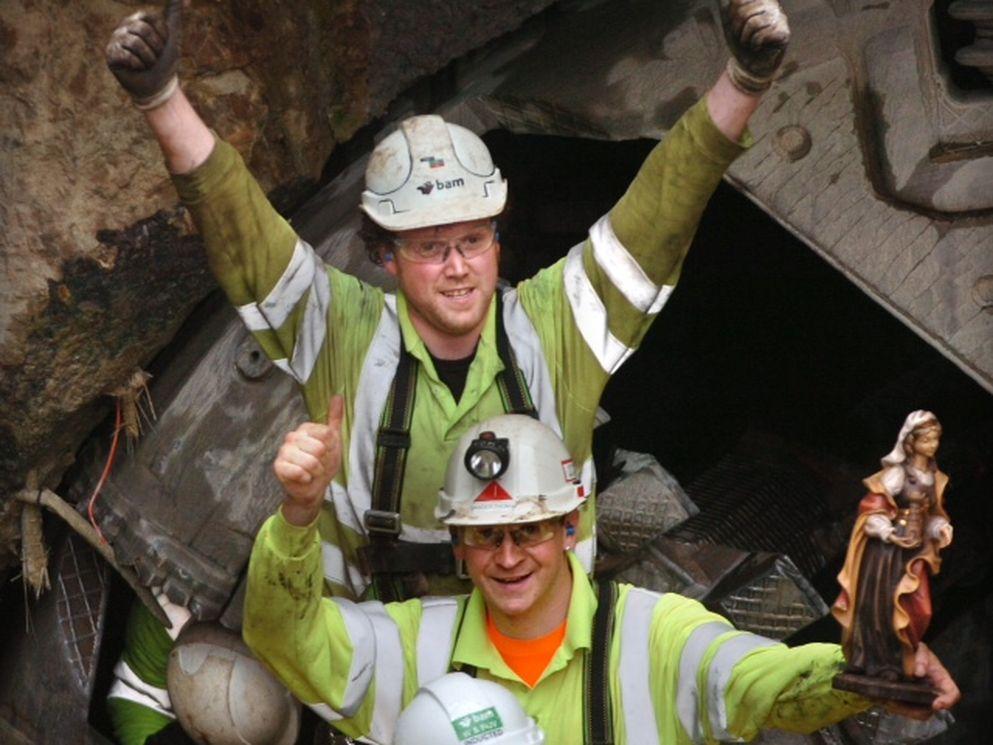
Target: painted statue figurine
column 885, row 603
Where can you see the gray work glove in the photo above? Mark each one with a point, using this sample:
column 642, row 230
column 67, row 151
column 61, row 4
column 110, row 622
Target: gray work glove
column 143, row 54
column 757, row 34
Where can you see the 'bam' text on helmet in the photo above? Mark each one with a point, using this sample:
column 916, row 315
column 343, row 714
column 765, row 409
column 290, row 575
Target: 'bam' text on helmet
column 428, row 186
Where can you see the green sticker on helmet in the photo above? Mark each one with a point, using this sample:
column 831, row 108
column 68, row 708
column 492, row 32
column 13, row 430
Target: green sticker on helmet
column 478, row 726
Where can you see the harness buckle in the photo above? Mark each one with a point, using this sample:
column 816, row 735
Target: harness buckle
column 382, row 522
column 393, row 438
column 399, row 558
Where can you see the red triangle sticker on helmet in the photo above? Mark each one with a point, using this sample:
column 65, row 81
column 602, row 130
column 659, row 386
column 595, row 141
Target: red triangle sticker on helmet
column 494, row 493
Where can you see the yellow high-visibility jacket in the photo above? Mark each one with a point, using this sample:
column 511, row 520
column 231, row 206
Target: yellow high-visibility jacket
column 678, row 673
column 570, row 326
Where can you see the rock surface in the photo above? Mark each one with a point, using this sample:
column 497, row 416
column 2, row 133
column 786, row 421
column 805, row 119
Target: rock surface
column 100, row 265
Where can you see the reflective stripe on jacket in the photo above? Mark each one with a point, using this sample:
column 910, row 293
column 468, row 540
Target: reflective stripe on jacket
column 571, row 325
column 138, row 703
column 678, row 673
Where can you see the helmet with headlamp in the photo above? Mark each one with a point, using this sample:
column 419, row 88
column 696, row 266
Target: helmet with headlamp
column 509, row 469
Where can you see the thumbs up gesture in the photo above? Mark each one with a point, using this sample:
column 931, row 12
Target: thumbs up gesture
column 309, row 458
column 757, row 34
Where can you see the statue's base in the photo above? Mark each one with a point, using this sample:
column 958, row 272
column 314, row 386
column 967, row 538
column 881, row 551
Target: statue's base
column 916, row 693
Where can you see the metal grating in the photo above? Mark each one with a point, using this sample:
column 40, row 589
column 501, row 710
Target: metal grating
column 82, row 596
column 752, row 505
column 639, row 505
column 776, row 604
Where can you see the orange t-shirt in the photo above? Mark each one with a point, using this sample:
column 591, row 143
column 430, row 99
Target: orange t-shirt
column 526, row 657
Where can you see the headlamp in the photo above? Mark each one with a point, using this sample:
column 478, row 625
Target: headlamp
column 487, row 456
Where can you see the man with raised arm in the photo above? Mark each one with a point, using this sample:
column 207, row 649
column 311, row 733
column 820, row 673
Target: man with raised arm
column 588, row 662
column 432, row 195
column 418, row 368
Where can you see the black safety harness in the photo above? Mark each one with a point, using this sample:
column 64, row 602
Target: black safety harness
column 598, row 721
column 596, row 670
column 399, row 568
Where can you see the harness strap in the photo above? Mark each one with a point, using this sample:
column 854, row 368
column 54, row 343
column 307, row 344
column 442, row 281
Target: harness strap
column 467, row 668
column 403, row 557
column 599, row 727
column 392, row 442
column 513, row 387
column 596, row 671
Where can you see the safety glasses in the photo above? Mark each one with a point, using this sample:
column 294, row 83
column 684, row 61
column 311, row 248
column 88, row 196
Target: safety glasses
column 525, row 535
column 471, row 244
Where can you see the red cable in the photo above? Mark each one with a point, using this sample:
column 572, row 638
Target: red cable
column 106, row 470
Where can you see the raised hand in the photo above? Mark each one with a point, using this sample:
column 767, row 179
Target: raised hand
column 308, row 460
column 143, row 54
column 757, row 34
column 928, row 666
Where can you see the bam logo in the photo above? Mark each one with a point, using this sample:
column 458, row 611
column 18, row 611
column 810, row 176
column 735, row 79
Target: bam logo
column 428, row 186
column 433, row 162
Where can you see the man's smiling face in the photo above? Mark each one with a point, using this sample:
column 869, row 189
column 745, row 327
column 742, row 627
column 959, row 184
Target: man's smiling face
column 447, row 301
column 524, row 588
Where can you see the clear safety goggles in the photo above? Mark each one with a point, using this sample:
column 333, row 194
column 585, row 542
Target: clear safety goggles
column 524, row 535
column 471, row 244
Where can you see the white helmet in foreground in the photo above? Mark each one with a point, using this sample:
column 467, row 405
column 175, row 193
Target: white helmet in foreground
column 458, row 710
column 509, row 469
column 222, row 695
column 430, row 172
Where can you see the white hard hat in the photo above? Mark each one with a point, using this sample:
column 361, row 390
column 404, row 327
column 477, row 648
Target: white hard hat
column 509, row 469
column 222, row 695
column 458, row 710
column 430, row 172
